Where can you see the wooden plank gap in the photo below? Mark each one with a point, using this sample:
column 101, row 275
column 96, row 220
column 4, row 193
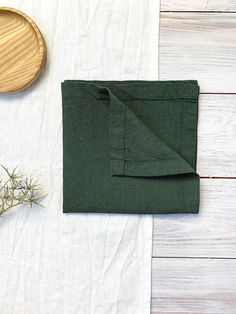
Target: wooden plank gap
column 216, row 93
column 210, row 177
column 194, row 257
column 195, row 11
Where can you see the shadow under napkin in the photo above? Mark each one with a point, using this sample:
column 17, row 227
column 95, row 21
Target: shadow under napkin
column 130, row 147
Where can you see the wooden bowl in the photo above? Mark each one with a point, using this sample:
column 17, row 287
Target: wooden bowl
column 22, row 51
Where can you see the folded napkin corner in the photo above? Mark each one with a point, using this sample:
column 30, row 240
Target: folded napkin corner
column 135, row 150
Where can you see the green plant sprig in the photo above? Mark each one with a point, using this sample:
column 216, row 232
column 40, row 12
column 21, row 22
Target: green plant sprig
column 18, row 190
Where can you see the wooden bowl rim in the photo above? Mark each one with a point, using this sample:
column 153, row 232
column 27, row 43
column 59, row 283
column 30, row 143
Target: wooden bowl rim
column 42, row 48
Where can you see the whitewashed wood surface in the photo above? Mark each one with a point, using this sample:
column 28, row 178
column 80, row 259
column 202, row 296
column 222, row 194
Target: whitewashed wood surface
column 217, row 135
column 194, row 256
column 199, row 5
column 212, row 233
column 194, row 286
column 202, row 46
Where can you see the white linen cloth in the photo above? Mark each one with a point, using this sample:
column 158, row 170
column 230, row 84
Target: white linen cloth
column 54, row 263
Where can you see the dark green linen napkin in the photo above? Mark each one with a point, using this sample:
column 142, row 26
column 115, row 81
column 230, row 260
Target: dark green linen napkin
column 130, row 147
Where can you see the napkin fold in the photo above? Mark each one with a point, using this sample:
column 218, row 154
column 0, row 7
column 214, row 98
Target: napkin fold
column 130, row 146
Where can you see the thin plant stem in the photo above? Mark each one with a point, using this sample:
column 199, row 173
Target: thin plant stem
column 18, row 190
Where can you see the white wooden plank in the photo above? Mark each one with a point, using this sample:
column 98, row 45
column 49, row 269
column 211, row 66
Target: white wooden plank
column 193, row 286
column 211, row 233
column 199, row 46
column 217, row 135
column 198, row 5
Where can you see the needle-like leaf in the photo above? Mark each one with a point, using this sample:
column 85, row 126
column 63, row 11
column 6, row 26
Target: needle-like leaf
column 18, row 190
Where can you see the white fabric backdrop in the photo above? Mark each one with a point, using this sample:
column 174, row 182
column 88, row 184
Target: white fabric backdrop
column 52, row 263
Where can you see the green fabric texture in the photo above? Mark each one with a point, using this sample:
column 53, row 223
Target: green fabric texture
column 130, row 147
